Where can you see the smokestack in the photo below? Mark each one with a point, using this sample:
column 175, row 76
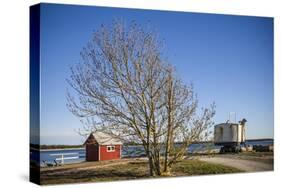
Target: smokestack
column 243, row 131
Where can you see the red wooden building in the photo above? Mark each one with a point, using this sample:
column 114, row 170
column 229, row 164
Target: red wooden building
column 101, row 146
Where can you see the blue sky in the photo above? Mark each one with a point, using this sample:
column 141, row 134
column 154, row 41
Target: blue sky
column 229, row 59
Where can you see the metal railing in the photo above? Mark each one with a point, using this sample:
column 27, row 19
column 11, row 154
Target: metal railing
column 62, row 157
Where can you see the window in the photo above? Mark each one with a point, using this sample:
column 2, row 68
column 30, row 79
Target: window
column 110, row 148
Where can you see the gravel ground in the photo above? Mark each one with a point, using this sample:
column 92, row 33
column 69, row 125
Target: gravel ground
column 242, row 164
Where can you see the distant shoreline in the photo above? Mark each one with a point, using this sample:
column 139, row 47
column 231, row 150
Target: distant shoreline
column 75, row 148
column 260, row 139
column 57, row 149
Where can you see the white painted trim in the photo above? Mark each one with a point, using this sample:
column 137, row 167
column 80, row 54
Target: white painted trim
column 110, row 150
column 120, row 149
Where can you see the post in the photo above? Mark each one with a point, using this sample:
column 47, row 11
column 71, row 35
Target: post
column 62, row 159
column 231, row 115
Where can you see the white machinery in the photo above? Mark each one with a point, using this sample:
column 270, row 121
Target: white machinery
column 230, row 135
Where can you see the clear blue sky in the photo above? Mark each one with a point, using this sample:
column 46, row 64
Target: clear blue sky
column 229, row 59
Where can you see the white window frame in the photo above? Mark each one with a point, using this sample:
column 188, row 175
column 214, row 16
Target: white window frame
column 110, row 148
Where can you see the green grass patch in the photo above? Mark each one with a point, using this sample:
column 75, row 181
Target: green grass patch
column 196, row 167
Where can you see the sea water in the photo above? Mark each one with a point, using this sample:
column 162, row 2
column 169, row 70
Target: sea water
column 127, row 151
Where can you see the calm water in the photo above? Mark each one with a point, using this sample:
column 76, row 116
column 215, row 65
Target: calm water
column 78, row 155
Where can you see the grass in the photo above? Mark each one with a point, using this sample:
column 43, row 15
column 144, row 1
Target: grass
column 130, row 170
column 196, row 167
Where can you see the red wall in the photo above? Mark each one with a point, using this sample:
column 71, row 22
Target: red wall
column 105, row 155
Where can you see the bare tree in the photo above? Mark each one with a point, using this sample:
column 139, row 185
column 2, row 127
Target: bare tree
column 125, row 88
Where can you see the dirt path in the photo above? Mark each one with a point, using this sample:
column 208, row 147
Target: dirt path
column 242, row 164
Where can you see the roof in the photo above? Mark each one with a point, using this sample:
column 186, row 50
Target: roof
column 104, row 139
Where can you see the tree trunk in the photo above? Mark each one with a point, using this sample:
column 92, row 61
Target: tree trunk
column 170, row 124
column 151, row 168
column 157, row 165
column 149, row 153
